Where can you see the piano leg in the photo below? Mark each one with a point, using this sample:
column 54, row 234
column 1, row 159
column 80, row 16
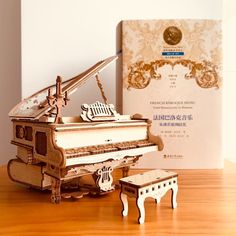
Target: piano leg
column 125, row 171
column 56, row 190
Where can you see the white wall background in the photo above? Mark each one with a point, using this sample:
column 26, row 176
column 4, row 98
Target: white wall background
column 61, row 37
column 10, row 75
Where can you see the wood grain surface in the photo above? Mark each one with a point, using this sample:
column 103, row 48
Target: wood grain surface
column 206, row 206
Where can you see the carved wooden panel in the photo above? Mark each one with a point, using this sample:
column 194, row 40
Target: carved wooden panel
column 20, row 131
column 41, row 143
column 28, row 133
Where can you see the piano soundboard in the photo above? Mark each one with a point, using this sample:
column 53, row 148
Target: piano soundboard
column 64, row 149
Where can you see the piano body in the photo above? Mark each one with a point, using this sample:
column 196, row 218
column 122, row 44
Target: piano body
column 94, row 143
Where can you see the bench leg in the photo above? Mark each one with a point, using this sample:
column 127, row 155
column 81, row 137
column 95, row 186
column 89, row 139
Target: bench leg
column 140, row 205
column 174, row 196
column 123, row 198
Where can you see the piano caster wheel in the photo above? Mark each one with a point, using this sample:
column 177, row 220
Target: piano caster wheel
column 56, row 199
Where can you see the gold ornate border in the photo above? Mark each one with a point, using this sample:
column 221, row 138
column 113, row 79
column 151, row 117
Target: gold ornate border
column 204, row 73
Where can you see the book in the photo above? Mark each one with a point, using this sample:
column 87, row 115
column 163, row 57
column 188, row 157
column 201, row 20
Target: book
column 172, row 75
column 26, row 155
column 27, row 174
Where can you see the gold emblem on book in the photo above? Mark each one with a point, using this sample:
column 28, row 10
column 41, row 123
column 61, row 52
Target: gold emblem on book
column 204, row 73
column 172, row 35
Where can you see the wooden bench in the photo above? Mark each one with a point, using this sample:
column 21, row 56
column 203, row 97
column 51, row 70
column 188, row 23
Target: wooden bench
column 153, row 184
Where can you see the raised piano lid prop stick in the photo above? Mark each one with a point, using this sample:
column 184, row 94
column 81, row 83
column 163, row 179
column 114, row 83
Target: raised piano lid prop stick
column 94, row 143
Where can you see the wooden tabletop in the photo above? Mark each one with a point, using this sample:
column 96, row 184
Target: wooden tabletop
column 206, row 206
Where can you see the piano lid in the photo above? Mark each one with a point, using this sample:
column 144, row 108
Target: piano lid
column 36, row 105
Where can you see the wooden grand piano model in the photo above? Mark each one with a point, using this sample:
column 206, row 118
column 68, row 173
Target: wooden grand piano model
column 53, row 150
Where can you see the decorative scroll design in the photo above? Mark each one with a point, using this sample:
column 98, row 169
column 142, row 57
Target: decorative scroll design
column 103, row 178
column 204, row 73
column 98, row 112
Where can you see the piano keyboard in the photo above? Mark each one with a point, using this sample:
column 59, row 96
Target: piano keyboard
column 112, row 147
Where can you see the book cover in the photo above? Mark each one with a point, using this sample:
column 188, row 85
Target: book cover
column 172, row 75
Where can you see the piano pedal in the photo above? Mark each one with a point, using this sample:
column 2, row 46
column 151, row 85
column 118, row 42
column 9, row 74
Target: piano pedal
column 74, row 195
column 100, row 193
